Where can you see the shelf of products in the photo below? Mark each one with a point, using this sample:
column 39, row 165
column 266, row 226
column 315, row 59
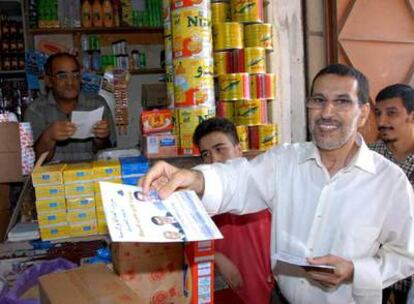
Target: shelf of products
column 96, row 30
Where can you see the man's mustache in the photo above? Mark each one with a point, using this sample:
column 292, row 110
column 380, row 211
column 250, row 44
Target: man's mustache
column 323, row 121
column 385, row 128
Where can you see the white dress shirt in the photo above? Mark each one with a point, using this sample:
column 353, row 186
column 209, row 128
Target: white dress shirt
column 368, row 203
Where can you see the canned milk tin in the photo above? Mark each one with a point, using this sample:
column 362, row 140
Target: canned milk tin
column 234, row 86
column 255, row 60
column 227, row 36
column 247, row 11
column 259, row 35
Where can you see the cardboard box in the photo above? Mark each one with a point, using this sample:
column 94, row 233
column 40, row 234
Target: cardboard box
column 4, row 197
column 106, row 169
column 74, row 173
column 91, row 284
column 81, row 215
column 154, row 95
column 154, row 271
column 81, row 202
column 52, row 218
column 79, row 189
column 49, row 192
column 199, row 276
column 156, row 121
column 49, row 205
column 160, row 145
column 47, row 175
column 10, row 153
column 54, row 232
column 4, row 222
column 83, row 229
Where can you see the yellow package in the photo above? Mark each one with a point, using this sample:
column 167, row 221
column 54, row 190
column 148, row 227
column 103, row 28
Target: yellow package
column 48, row 175
column 52, row 191
column 107, row 169
column 54, row 232
column 84, row 189
column 98, row 201
column 74, row 173
column 49, row 205
column 83, row 229
column 100, row 215
column 102, row 227
column 116, row 180
column 52, row 218
column 81, row 215
column 86, row 202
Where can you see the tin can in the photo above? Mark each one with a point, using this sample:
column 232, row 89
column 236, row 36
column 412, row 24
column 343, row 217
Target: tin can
column 262, row 86
column 259, row 35
column 238, row 58
column 270, row 80
column 202, row 4
column 255, row 60
column 192, row 35
column 222, row 63
column 189, row 118
column 225, row 109
column 242, row 133
column 220, row 12
column 247, row 11
column 227, row 36
column 193, row 82
column 234, row 86
column 250, row 112
column 263, row 137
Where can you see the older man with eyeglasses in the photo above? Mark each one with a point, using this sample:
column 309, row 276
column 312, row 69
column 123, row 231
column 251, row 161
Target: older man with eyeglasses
column 344, row 208
column 50, row 115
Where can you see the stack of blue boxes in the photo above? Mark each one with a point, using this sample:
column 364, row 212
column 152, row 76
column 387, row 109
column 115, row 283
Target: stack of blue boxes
column 133, row 168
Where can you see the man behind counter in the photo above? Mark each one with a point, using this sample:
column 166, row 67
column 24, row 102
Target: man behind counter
column 50, row 115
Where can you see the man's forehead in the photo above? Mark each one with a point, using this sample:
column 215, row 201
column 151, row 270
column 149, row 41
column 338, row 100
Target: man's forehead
column 65, row 64
column 335, row 84
column 395, row 102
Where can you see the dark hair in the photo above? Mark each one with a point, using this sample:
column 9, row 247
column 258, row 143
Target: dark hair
column 344, row 70
column 52, row 58
column 403, row 91
column 215, row 124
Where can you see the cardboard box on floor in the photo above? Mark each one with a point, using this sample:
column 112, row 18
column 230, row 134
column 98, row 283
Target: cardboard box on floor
column 167, row 273
column 10, row 153
column 91, row 284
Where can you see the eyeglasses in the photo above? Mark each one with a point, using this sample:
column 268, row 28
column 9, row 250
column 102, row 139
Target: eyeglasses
column 339, row 104
column 64, row 76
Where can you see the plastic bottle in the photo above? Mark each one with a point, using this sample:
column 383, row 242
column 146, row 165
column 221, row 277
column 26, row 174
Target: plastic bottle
column 86, row 14
column 108, row 17
column 97, row 14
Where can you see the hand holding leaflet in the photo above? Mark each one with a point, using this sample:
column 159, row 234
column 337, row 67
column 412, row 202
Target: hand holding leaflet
column 301, row 262
column 85, row 121
column 132, row 217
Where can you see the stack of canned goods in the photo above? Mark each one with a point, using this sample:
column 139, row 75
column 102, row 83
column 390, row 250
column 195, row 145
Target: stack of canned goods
column 188, row 40
column 241, row 40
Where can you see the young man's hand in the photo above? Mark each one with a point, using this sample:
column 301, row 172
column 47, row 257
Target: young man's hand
column 60, row 130
column 166, row 179
column 344, row 270
column 228, row 270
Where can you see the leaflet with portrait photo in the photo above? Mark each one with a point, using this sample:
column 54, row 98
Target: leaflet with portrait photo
column 131, row 217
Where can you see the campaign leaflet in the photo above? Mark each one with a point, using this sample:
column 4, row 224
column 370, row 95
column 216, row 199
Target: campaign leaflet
column 132, row 217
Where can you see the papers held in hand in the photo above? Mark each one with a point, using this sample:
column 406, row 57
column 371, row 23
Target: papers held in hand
column 301, row 262
column 132, row 217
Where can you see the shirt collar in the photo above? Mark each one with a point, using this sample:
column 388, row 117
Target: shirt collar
column 363, row 159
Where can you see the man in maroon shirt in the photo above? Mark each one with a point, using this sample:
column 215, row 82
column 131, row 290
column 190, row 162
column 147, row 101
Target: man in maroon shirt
column 243, row 256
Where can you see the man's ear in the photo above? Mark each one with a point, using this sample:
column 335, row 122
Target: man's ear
column 239, row 150
column 411, row 117
column 48, row 81
column 363, row 117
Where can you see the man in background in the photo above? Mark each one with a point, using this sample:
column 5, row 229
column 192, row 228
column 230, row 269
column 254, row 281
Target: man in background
column 395, row 120
column 243, row 256
column 50, row 115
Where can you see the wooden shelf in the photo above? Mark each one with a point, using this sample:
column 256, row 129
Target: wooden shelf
column 96, row 30
column 147, row 71
column 11, row 72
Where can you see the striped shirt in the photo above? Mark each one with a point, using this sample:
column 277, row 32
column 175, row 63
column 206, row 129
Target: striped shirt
column 408, row 167
column 44, row 111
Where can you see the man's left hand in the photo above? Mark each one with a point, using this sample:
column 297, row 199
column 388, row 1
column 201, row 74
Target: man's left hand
column 101, row 129
column 343, row 272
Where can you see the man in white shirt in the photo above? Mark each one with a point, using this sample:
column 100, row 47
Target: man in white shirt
column 334, row 201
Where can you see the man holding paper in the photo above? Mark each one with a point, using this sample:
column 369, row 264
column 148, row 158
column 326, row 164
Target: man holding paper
column 53, row 117
column 334, row 202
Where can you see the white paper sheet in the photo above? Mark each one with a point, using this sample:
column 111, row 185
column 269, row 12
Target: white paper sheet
column 299, row 261
column 133, row 218
column 85, row 121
